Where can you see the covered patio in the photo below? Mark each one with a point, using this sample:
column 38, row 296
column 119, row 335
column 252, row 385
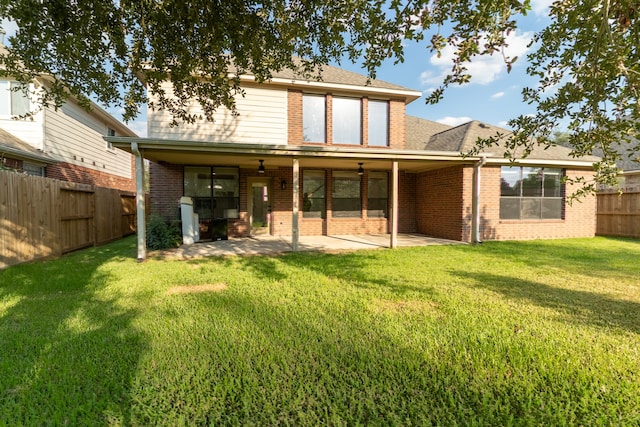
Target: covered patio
column 273, row 245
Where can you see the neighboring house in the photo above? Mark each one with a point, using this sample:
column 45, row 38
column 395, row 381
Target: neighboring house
column 340, row 156
column 66, row 143
column 15, row 154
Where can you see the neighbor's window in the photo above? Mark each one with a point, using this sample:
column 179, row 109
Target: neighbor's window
column 346, row 202
column 313, row 194
column 314, row 118
column 110, row 132
column 31, row 169
column 347, row 120
column 215, row 191
column 531, row 193
column 17, row 102
column 377, row 197
column 378, row 123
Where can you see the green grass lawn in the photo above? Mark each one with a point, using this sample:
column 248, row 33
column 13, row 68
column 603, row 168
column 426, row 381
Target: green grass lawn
column 510, row 333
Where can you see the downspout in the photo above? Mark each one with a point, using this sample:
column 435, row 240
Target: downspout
column 475, row 201
column 140, row 208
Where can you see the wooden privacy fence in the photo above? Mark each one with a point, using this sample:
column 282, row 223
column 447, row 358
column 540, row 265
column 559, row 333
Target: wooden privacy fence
column 42, row 217
column 619, row 214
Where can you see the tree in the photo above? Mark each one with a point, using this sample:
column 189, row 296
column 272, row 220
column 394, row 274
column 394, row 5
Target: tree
column 587, row 61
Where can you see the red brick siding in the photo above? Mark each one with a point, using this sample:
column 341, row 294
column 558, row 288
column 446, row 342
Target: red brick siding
column 579, row 218
column 294, row 117
column 11, row 163
column 166, row 188
column 440, row 202
column 397, row 124
column 407, row 197
column 83, row 175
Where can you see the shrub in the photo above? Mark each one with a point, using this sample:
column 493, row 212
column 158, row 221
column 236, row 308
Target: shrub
column 162, row 235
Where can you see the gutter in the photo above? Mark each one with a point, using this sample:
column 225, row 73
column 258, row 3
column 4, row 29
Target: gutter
column 475, row 200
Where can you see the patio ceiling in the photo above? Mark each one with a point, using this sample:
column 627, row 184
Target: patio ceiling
column 247, row 155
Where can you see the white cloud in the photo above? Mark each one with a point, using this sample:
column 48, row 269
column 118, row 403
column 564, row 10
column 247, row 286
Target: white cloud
column 139, row 127
column 483, row 69
column 503, row 124
column 541, row 7
column 497, row 95
column 453, row 121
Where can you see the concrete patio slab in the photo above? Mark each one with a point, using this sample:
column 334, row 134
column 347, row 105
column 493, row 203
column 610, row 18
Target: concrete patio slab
column 270, row 245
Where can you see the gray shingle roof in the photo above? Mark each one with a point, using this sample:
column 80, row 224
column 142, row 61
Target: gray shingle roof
column 419, row 130
column 16, row 145
column 462, row 139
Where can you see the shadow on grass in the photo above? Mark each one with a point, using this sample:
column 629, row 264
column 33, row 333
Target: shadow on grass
column 359, row 268
column 580, row 307
column 573, row 255
column 68, row 350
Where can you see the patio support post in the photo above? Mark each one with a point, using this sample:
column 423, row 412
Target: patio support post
column 140, row 208
column 394, row 205
column 295, row 232
column 475, row 201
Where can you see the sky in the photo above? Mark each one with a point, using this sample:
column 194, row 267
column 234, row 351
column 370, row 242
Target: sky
column 493, row 95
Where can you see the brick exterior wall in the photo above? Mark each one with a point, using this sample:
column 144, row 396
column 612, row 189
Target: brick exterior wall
column 397, row 124
column 83, row 175
column 166, row 188
column 579, row 217
column 407, row 197
column 294, row 117
column 440, row 202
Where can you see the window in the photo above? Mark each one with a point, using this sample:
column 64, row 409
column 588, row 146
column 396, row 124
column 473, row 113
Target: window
column 110, row 132
column 347, row 121
column 313, row 194
column 215, row 191
column 377, row 201
column 31, row 169
column 346, row 195
column 531, row 193
column 378, row 119
column 314, row 118
column 17, row 102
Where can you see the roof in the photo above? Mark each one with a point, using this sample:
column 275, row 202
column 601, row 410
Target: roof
column 331, row 74
column 10, row 144
column 419, row 130
column 462, row 139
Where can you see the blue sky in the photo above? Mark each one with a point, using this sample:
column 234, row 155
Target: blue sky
column 493, row 96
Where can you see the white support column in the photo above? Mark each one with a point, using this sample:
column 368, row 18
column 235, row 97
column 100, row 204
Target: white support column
column 295, row 229
column 475, row 201
column 394, row 205
column 140, row 208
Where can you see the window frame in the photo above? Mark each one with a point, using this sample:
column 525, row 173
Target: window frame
column 346, row 176
column 309, row 96
column 308, row 203
column 8, row 103
column 338, row 119
column 518, row 201
column 385, row 211
column 212, row 199
column 372, row 122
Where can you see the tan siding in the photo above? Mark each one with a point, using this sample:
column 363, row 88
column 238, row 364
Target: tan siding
column 262, row 120
column 74, row 136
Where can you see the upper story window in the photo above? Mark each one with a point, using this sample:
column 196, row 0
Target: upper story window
column 531, row 193
column 347, row 121
column 378, row 119
column 14, row 100
column 314, row 118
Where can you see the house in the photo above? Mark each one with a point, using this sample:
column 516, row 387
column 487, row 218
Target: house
column 340, row 156
column 66, row 144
